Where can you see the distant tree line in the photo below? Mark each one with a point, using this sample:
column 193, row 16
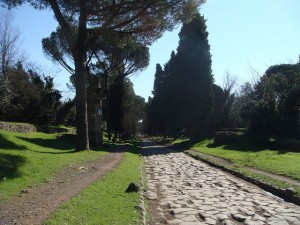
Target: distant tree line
column 124, row 111
column 27, row 95
column 271, row 106
column 186, row 101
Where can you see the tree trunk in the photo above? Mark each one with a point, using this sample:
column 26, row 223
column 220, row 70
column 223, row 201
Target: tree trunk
column 82, row 142
column 98, row 124
column 94, row 112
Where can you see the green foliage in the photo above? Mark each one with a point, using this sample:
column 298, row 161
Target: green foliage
column 155, row 122
column 224, row 137
column 32, row 98
column 56, row 47
column 217, row 115
column 6, row 93
column 66, row 113
column 193, row 77
column 276, row 102
column 134, row 109
column 26, row 93
column 125, row 108
column 115, row 108
column 183, row 92
column 105, row 201
column 83, row 23
column 49, row 103
column 32, row 158
column 242, row 106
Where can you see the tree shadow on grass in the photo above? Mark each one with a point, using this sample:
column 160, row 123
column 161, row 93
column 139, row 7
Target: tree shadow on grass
column 184, row 145
column 65, row 142
column 256, row 144
column 9, row 145
column 246, row 144
column 9, row 165
column 131, row 146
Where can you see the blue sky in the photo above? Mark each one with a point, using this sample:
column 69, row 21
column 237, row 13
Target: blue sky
column 242, row 34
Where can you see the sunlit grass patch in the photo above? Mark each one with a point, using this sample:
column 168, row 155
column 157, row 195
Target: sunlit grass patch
column 33, row 158
column 247, row 153
column 105, row 202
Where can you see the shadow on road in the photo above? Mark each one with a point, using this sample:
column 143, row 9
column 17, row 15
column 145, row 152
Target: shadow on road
column 151, row 148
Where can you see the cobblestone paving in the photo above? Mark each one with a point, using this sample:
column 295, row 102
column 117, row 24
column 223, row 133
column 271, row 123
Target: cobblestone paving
column 184, row 191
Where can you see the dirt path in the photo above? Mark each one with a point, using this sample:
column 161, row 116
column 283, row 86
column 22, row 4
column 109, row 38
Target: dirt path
column 36, row 203
column 185, row 191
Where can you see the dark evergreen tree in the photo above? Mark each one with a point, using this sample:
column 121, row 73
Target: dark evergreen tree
column 217, row 114
column 49, row 102
column 170, row 107
column 157, row 103
column 192, row 79
column 134, row 107
column 126, row 109
column 66, row 113
column 158, row 81
column 116, row 109
column 183, row 92
column 147, row 125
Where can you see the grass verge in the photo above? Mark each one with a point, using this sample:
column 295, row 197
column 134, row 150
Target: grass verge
column 269, row 180
column 32, row 158
column 144, row 188
column 105, row 201
column 248, row 153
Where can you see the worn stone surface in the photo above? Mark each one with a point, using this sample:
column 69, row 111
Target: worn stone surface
column 191, row 192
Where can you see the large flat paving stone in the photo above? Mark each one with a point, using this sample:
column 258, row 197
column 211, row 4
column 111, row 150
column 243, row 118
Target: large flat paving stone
column 192, row 192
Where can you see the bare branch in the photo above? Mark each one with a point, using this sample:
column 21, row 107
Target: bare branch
column 10, row 42
column 254, row 75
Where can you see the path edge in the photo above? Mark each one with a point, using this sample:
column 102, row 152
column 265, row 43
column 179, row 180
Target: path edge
column 286, row 194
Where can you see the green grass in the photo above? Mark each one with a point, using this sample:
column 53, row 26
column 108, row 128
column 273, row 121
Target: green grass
column 105, row 201
column 33, row 158
column 269, row 180
column 246, row 152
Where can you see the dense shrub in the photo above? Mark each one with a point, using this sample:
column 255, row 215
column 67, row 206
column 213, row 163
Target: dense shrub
column 224, row 137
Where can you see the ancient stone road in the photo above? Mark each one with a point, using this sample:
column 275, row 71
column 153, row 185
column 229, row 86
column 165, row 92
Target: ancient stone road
column 184, row 191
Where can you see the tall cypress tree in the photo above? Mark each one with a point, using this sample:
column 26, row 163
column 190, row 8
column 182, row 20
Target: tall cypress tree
column 171, row 108
column 192, row 79
column 157, row 104
column 183, row 91
column 115, row 107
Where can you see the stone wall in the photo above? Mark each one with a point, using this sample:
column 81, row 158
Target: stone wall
column 17, row 127
column 26, row 128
